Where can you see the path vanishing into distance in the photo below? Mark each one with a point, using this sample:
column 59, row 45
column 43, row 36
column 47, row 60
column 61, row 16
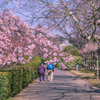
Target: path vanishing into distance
column 65, row 86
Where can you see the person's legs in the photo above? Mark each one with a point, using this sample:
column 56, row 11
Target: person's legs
column 43, row 78
column 51, row 78
column 40, row 78
column 49, row 75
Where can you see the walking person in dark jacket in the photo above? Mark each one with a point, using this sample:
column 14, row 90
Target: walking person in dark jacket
column 41, row 72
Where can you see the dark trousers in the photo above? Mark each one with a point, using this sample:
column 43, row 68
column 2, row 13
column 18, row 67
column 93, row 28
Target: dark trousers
column 41, row 77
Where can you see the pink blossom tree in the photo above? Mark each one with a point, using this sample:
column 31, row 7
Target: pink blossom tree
column 48, row 50
column 15, row 39
column 18, row 39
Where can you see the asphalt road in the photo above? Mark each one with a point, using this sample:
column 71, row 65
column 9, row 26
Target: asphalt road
column 65, row 86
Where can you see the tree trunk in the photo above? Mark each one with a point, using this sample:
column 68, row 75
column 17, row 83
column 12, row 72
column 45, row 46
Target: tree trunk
column 97, row 68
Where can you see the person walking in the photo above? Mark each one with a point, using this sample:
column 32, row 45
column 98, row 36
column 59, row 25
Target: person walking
column 50, row 69
column 41, row 72
column 77, row 67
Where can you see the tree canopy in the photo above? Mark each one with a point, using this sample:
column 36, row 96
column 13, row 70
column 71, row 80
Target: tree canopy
column 76, row 19
column 72, row 50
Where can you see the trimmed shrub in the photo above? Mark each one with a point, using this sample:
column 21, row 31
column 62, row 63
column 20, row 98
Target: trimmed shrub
column 16, row 79
column 36, row 72
column 5, row 85
column 26, row 76
column 32, row 75
column 29, row 74
column 34, row 65
column 13, row 79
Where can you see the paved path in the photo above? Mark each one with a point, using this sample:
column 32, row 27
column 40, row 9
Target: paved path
column 65, row 86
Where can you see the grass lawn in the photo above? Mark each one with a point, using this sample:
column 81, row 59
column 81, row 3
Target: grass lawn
column 85, row 71
column 87, row 76
column 10, row 98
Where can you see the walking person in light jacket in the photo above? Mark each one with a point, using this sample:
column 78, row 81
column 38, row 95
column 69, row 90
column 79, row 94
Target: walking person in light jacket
column 50, row 69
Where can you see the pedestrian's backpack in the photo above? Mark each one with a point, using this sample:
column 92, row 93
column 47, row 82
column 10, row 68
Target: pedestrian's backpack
column 41, row 70
column 50, row 66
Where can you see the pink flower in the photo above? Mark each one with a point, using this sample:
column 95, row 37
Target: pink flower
column 45, row 56
column 14, row 59
column 1, row 56
column 31, row 46
column 54, row 54
column 54, row 63
column 30, row 51
column 50, row 53
column 20, row 50
column 8, row 62
column 28, row 40
column 45, row 50
column 23, row 62
column 4, row 63
column 26, row 53
column 1, row 61
column 60, row 55
column 20, row 58
column 0, row 21
column 30, row 57
column 33, row 61
column 63, row 58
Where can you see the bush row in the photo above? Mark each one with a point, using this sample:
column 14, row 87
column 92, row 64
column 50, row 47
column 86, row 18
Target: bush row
column 5, row 85
column 14, row 79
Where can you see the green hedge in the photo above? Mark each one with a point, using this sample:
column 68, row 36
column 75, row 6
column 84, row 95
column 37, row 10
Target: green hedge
column 12, row 80
column 35, row 72
column 16, row 79
column 32, row 75
column 5, row 85
column 26, row 76
column 37, row 60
